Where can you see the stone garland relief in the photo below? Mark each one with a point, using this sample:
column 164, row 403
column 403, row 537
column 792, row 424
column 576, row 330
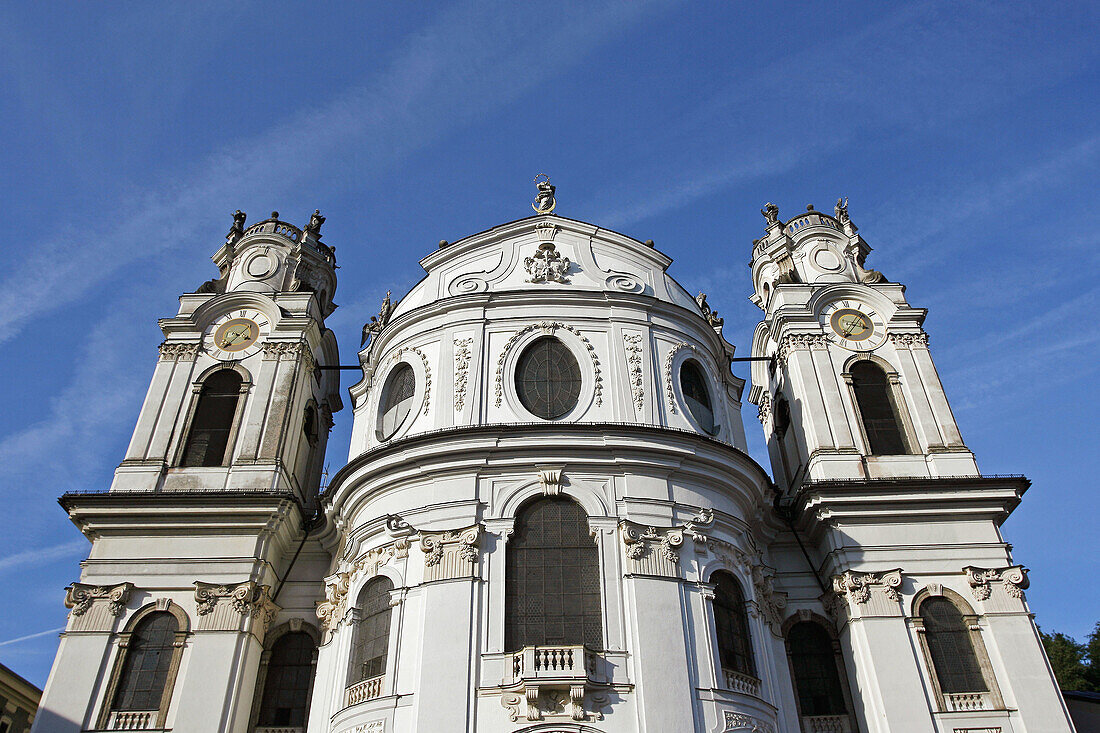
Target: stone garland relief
column 462, row 370
column 1013, row 579
column 395, row 356
column 668, row 373
column 548, row 327
column 633, row 346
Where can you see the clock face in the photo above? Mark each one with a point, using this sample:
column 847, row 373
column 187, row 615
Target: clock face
column 854, row 326
column 235, row 335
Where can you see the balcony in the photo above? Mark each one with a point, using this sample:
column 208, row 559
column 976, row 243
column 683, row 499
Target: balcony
column 133, row 720
column 743, row 683
column 368, row 689
column 278, row 729
column 826, row 724
column 553, row 679
column 958, row 702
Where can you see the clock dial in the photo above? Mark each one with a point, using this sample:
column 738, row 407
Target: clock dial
column 235, row 335
column 854, row 326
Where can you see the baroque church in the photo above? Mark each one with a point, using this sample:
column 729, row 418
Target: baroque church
column 548, row 521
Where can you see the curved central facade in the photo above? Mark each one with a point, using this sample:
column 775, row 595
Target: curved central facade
column 555, row 502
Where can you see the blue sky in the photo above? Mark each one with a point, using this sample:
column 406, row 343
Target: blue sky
column 964, row 134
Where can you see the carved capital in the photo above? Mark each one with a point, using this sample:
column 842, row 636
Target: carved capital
column 799, row 341
column 233, row 607
column 1013, row 579
column 857, row 586
column 178, row 351
column 909, row 340
column 451, row 554
column 80, row 597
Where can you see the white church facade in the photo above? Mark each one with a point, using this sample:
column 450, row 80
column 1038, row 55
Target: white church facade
column 548, row 521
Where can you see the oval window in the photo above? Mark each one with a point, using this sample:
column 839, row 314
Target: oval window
column 694, row 386
column 397, row 400
column 548, row 379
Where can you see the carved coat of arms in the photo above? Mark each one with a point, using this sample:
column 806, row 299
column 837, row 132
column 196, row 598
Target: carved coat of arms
column 547, row 265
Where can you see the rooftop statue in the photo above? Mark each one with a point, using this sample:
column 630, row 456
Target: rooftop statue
column 841, row 210
column 544, row 199
column 315, row 222
column 237, row 230
column 377, row 323
column 771, row 213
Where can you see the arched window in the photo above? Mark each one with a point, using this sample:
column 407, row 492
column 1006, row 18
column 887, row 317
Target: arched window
column 286, row 689
column 372, row 631
column 150, row 651
column 548, row 378
column 732, row 624
column 397, row 400
column 694, row 386
column 212, row 422
column 552, row 570
column 877, row 411
column 947, row 637
column 814, row 668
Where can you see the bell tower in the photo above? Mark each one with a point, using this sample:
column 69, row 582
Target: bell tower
column 850, row 390
column 201, row 550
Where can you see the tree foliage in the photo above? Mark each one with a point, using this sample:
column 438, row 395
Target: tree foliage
column 1075, row 664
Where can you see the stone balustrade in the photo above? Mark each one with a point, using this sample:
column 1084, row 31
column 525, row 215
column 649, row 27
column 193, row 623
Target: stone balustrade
column 278, row 729
column 826, row 724
column 550, row 663
column 963, row 701
column 132, row 720
column 743, row 683
column 368, row 689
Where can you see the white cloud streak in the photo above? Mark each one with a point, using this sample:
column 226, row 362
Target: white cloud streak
column 461, row 66
column 43, row 555
column 28, row 637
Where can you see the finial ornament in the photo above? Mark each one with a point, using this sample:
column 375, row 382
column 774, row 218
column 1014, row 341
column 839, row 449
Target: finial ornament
column 315, row 222
column 771, row 213
column 544, row 199
column 841, row 210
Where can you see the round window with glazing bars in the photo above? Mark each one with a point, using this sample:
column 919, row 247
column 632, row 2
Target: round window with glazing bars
column 548, row 378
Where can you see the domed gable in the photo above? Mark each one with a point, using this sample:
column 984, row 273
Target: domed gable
column 545, row 252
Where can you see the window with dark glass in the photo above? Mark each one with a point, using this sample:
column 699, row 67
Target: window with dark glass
column 309, row 426
column 732, row 624
column 397, row 399
column 147, row 664
column 548, row 378
column 552, row 571
column 213, row 420
column 286, row 688
column 694, row 386
column 951, row 648
column 813, row 663
column 372, row 631
column 782, row 417
column 877, row 411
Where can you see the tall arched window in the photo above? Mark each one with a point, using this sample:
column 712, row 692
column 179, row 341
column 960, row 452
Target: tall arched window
column 212, row 423
column 877, row 411
column 372, row 631
column 732, row 625
column 286, row 689
column 947, row 636
column 814, row 668
column 552, row 570
column 143, row 682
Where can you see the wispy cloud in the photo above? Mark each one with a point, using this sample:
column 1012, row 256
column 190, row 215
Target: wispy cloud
column 28, row 637
column 462, row 65
column 43, row 555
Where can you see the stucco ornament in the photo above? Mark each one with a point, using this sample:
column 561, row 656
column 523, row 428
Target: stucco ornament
column 462, row 370
column 548, row 327
column 633, row 347
column 857, row 586
column 741, row 722
column 332, row 609
column 547, row 265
